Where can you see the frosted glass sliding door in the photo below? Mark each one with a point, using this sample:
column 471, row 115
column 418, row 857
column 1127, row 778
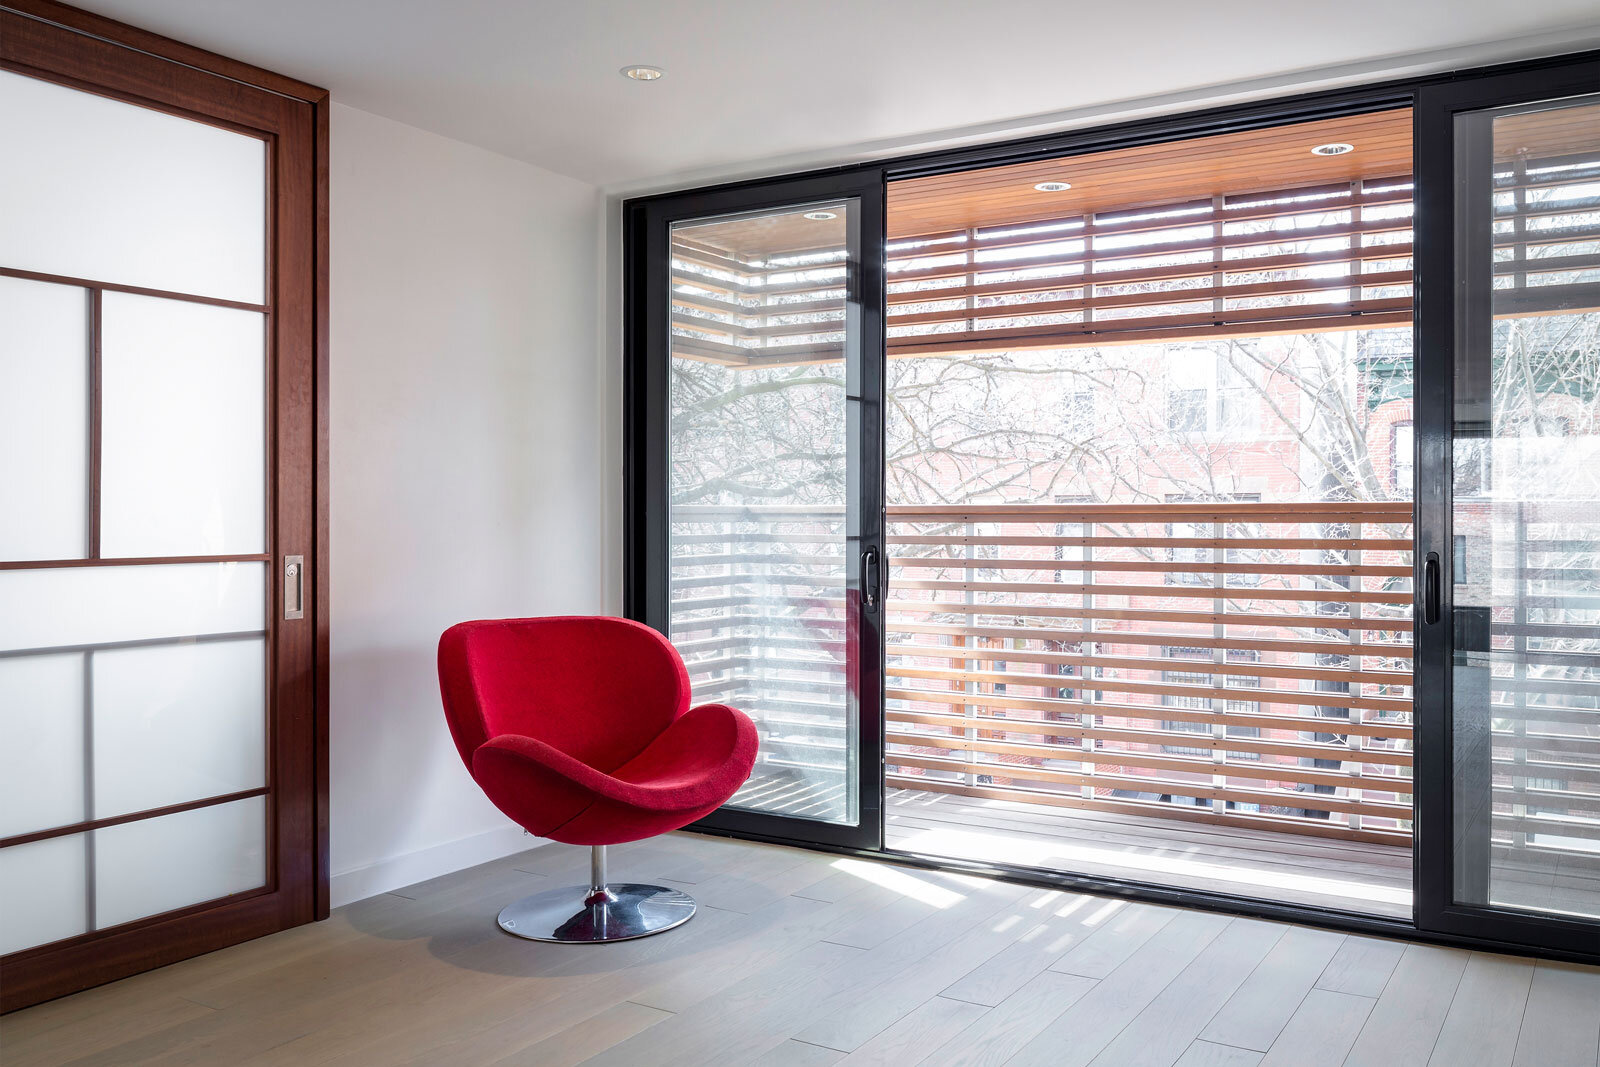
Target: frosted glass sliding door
column 135, row 597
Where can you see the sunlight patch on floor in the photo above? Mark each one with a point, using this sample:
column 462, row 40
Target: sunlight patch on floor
column 901, row 881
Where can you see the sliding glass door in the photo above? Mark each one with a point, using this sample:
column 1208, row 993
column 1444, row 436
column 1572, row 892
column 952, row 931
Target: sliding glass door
column 1186, row 543
column 1510, row 521
column 762, row 487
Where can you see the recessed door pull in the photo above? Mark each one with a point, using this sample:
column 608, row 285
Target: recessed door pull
column 294, row 586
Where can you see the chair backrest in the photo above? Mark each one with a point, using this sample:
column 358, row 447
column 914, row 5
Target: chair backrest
column 599, row 689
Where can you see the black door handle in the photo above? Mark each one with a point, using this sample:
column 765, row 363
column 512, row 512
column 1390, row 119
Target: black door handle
column 870, row 577
column 1430, row 588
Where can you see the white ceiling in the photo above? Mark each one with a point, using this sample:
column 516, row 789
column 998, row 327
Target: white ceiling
column 754, row 84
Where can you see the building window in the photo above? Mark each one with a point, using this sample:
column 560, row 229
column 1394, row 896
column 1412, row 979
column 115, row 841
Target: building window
column 1186, row 410
column 1184, row 700
column 1202, row 556
column 1080, row 412
column 1402, row 458
column 1240, row 706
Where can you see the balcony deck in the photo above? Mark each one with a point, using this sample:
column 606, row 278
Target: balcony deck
column 1358, row 876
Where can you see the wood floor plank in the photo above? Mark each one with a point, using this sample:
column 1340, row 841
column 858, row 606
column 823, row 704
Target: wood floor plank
column 1362, row 966
column 792, row 1053
column 1114, row 940
column 997, row 1035
column 1486, row 1014
column 588, row 1038
column 52, row 1033
column 1210, row 1054
column 1079, row 1034
column 803, row 921
column 1321, row 1031
column 918, row 1034
column 1255, row 1015
column 1067, row 919
column 1406, row 1020
column 747, row 1019
column 850, row 1025
column 744, row 1022
column 1562, row 1020
column 1159, row 1035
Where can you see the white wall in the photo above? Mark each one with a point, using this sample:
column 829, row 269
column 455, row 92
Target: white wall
column 468, row 453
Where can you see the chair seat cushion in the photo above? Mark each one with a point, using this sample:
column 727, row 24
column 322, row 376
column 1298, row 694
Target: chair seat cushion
column 687, row 771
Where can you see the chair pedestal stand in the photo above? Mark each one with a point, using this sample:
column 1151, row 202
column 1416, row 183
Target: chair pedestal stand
column 600, row 912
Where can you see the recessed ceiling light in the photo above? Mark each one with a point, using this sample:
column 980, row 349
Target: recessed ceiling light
column 1335, row 148
column 1053, row 187
column 642, row 73
column 820, row 216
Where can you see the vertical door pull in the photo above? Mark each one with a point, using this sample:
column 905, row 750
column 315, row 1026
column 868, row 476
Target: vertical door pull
column 869, row 579
column 1430, row 588
column 294, row 587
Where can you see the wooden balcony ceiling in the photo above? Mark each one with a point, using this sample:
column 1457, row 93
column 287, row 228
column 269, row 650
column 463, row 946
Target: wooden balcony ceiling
column 1175, row 171
column 1272, row 159
column 752, row 238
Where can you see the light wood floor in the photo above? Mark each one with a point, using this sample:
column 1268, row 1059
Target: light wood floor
column 802, row 958
column 1240, row 861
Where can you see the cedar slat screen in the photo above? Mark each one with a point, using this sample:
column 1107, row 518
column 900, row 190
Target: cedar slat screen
column 1249, row 258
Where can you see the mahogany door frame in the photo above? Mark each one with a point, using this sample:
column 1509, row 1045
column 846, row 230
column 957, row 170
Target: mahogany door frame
column 55, row 42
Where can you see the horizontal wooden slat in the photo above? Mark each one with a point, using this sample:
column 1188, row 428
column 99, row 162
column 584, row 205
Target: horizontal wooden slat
column 1123, row 637
column 1298, row 724
column 1313, row 801
column 1231, row 668
column 1169, row 566
column 1229, row 618
column 1168, row 739
column 1160, row 592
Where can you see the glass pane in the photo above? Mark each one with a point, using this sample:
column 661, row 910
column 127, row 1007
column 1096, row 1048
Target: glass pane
column 41, row 742
column 155, row 865
column 42, row 892
column 1526, row 700
column 134, row 197
column 174, row 723
column 760, row 481
column 44, row 419
column 183, row 429
column 95, row 605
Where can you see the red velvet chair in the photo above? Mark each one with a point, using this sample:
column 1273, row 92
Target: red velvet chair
column 579, row 728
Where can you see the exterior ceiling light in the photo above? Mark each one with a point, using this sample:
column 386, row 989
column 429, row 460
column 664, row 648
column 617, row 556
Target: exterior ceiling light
column 642, row 73
column 1335, row 148
column 1053, row 187
column 820, row 216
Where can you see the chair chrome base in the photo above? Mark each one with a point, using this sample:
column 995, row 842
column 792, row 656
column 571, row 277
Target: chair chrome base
column 597, row 912
column 618, row 913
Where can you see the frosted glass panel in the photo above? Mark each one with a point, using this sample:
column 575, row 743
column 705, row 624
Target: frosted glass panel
column 174, row 723
column 90, row 605
column 155, row 865
column 41, row 742
column 42, row 893
column 44, row 418
column 184, row 408
column 134, row 196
